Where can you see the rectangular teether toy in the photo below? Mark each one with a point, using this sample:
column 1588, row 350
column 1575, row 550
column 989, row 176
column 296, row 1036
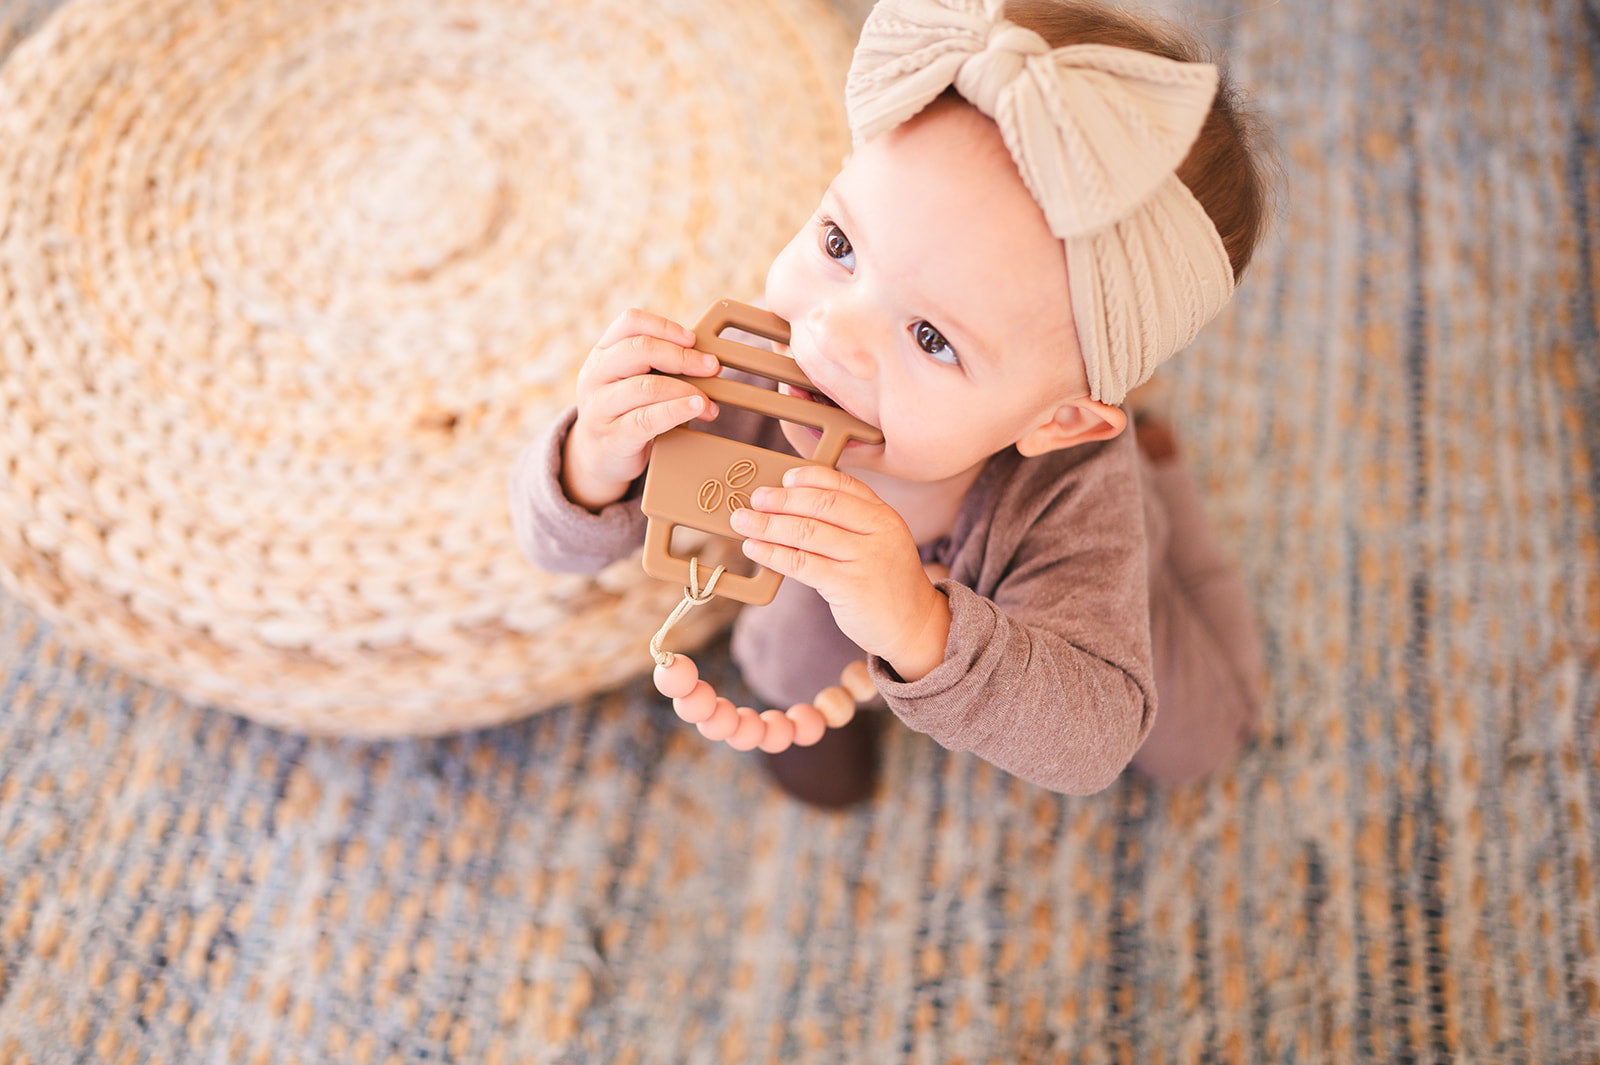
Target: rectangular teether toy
column 698, row 480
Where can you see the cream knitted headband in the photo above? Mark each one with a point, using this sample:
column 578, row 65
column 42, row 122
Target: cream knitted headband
column 1097, row 134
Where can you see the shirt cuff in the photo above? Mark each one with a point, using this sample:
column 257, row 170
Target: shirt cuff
column 552, row 531
column 931, row 704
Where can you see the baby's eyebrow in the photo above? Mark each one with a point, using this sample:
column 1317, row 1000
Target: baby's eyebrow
column 834, row 206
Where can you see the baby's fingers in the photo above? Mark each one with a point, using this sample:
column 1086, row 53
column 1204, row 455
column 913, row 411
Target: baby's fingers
column 635, row 357
column 639, row 342
column 635, row 322
column 804, row 536
column 827, row 478
column 824, row 506
column 641, row 408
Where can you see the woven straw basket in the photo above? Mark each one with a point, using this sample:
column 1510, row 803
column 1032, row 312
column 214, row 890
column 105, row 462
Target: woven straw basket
column 285, row 285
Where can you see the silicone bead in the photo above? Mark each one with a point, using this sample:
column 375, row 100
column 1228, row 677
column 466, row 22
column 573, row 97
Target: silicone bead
column 809, row 724
column 836, row 705
column 723, row 721
column 780, row 732
column 678, row 679
column 747, row 737
column 698, row 704
column 773, row 731
column 857, row 680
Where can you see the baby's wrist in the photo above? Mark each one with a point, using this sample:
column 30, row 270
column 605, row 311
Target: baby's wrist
column 924, row 652
column 584, row 489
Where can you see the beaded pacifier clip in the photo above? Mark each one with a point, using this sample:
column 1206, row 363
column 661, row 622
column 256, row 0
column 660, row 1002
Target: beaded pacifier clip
column 698, row 480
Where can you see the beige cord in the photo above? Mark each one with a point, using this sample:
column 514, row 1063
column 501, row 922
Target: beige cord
column 693, row 596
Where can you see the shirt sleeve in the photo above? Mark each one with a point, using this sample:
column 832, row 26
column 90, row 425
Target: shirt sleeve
column 555, row 533
column 1047, row 672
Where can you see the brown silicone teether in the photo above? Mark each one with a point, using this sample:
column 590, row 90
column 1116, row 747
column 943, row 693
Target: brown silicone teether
column 698, row 480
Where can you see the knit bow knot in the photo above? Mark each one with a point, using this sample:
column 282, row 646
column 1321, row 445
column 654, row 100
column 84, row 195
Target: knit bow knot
column 1097, row 134
column 988, row 72
column 1093, row 129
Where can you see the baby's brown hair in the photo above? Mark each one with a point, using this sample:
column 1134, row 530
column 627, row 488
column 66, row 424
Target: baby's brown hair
column 1223, row 169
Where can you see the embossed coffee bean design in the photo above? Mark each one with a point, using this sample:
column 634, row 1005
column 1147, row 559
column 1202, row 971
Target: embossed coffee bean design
column 711, row 496
column 714, row 493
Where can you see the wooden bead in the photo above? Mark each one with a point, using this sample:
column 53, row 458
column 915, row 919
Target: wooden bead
column 678, row 679
column 697, row 705
column 809, row 724
column 836, row 705
column 747, row 737
column 722, row 723
column 857, row 680
column 780, row 732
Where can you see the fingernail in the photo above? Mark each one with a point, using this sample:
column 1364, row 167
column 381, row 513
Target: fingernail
column 697, row 404
column 760, row 496
column 739, row 518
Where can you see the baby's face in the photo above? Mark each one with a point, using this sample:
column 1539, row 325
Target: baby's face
column 928, row 297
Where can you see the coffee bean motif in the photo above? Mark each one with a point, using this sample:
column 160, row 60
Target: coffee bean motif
column 714, row 493
column 711, row 496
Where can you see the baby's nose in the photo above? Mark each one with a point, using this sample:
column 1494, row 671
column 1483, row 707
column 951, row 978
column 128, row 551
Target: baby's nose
column 843, row 336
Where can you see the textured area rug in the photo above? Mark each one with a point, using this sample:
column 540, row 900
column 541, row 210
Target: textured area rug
column 1398, row 426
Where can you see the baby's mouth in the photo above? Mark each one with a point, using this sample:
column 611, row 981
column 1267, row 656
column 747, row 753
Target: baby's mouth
column 809, row 397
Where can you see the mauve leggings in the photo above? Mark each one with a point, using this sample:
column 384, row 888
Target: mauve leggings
column 1207, row 650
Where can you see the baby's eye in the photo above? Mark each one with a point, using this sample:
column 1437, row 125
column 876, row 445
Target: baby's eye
column 836, row 246
column 933, row 342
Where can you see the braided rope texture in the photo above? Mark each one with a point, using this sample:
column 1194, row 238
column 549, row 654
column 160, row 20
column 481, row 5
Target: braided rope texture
column 1397, row 426
column 284, row 285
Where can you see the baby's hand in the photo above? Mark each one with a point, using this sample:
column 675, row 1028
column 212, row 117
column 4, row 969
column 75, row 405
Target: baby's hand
column 623, row 407
column 830, row 531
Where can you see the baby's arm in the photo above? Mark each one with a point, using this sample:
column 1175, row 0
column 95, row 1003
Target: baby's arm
column 1047, row 671
column 1027, row 697
column 570, row 505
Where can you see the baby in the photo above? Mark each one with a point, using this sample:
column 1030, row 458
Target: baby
column 1044, row 203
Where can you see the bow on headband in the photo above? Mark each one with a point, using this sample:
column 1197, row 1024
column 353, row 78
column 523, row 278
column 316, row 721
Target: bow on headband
column 1097, row 134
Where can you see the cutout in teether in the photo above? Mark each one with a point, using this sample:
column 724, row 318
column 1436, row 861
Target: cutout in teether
column 698, row 480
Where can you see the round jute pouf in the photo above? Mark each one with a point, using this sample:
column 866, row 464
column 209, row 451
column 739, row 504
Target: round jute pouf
column 285, row 285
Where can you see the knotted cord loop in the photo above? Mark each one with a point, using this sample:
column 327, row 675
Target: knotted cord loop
column 693, row 596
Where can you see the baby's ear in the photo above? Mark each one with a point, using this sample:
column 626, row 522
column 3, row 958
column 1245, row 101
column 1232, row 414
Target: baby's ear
column 1078, row 421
